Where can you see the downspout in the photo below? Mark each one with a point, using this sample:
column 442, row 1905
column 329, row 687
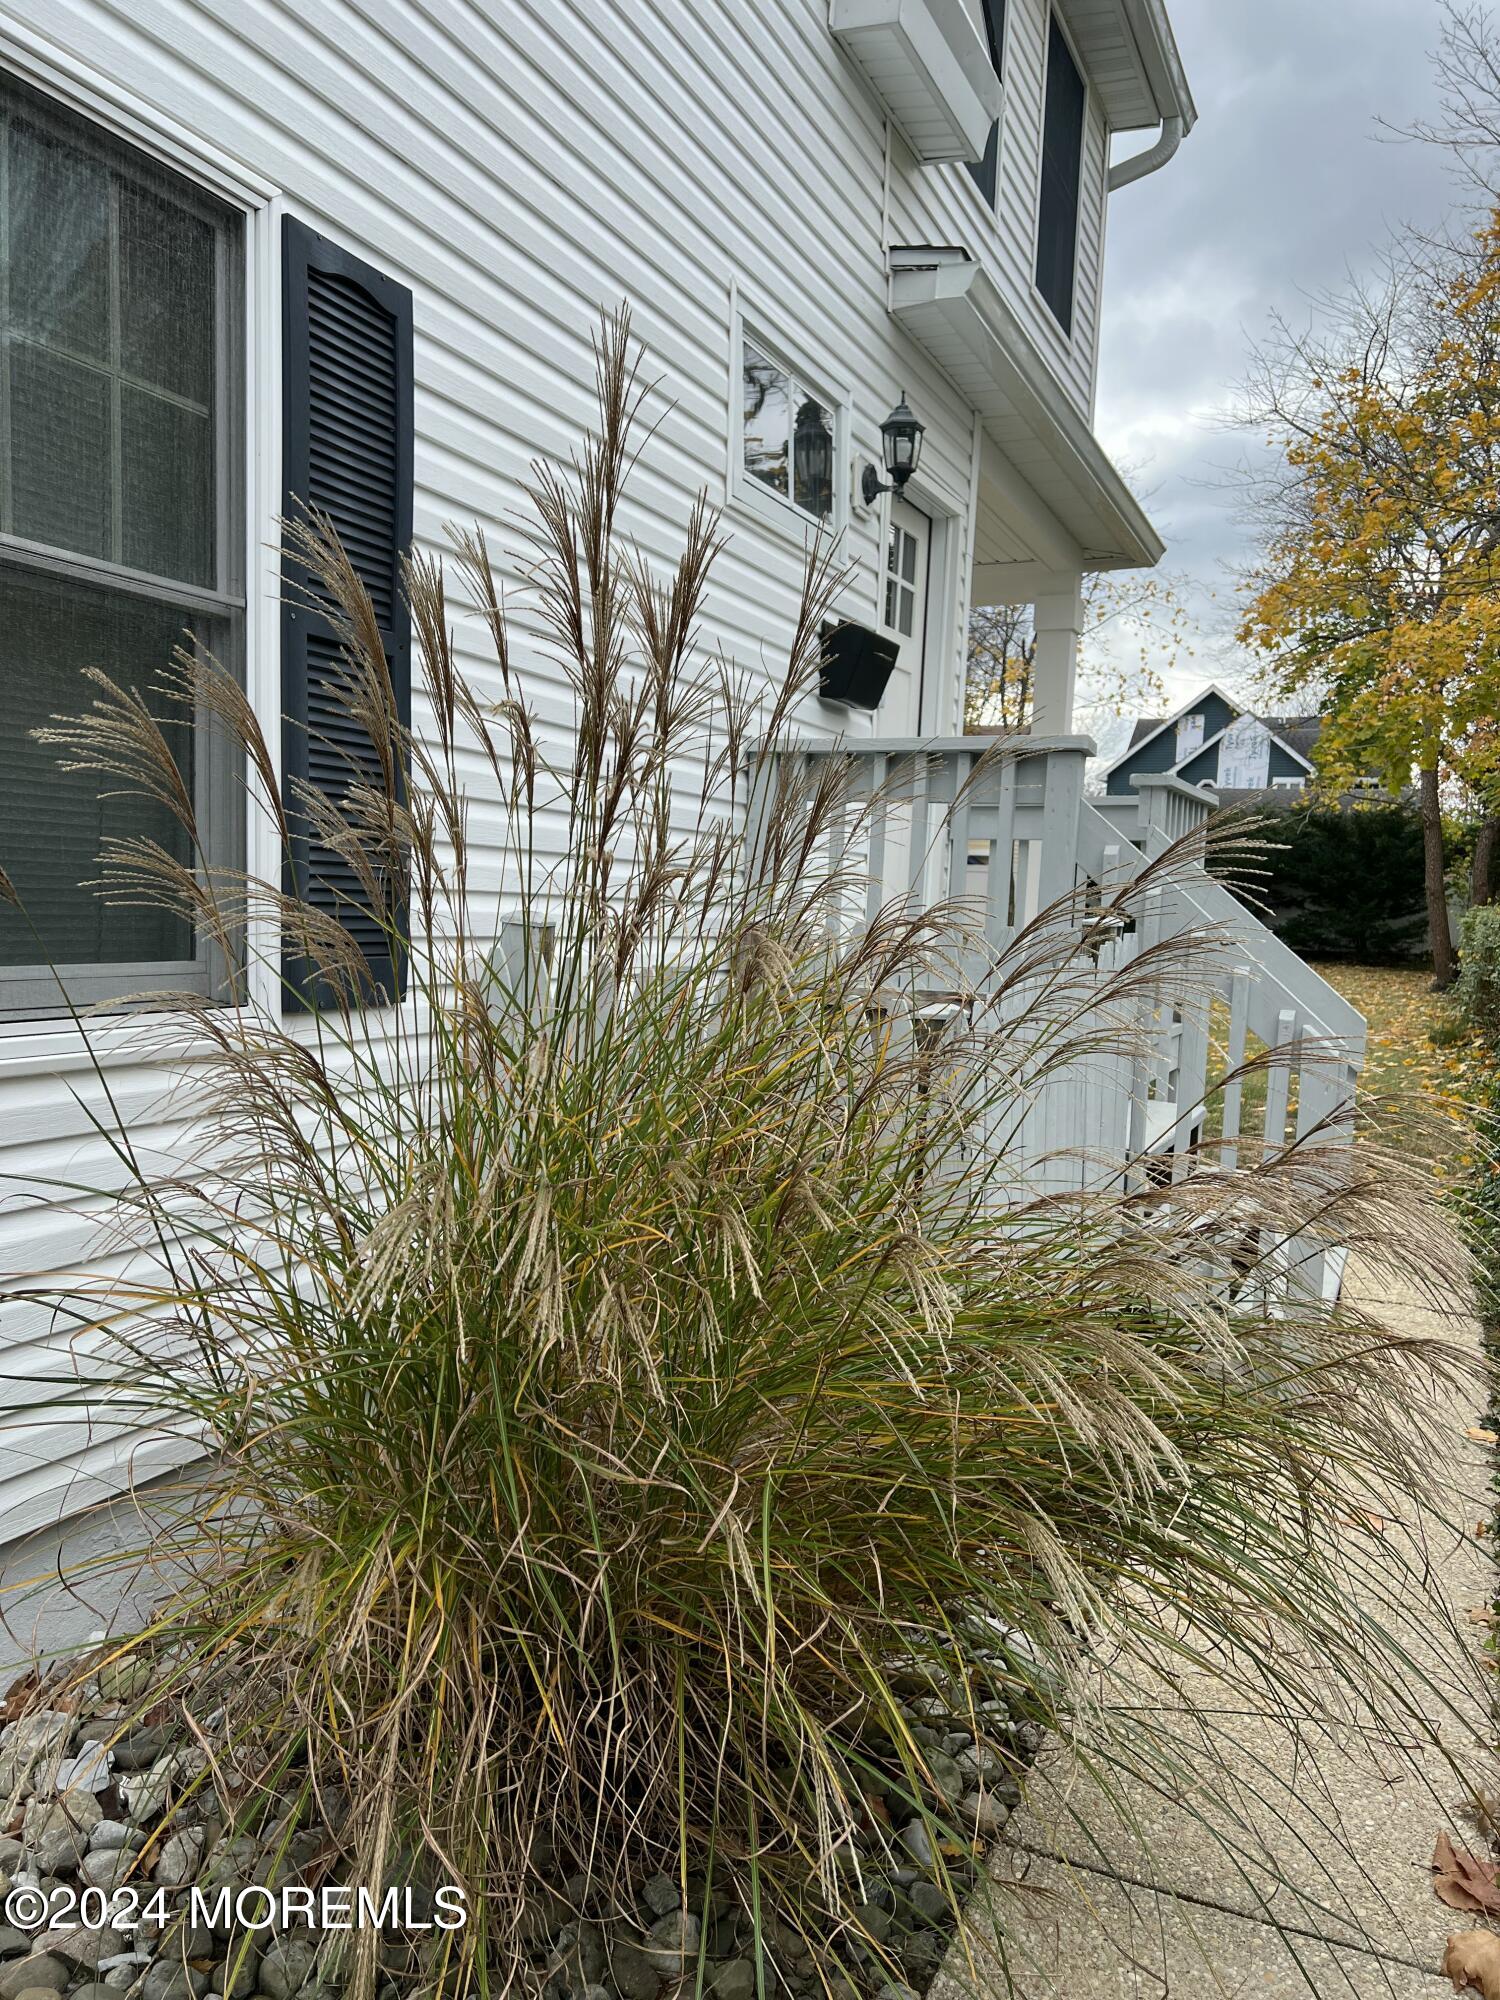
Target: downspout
column 1138, row 165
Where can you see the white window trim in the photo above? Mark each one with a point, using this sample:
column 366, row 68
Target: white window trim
column 746, row 494
column 121, row 113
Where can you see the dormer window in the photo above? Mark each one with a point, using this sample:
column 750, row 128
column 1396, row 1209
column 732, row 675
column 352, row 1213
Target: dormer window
column 1062, row 155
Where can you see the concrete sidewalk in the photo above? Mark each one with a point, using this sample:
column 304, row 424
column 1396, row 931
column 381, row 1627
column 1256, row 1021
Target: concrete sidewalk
column 1124, row 1891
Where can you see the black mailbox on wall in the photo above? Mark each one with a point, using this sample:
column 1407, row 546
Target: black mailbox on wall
column 855, row 665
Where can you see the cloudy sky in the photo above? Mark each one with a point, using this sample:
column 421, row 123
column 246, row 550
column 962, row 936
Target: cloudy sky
column 1282, row 186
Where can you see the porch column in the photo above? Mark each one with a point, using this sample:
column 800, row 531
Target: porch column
column 1058, row 622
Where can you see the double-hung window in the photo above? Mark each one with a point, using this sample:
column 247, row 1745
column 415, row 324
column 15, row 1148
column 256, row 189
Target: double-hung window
column 1062, row 162
column 121, row 529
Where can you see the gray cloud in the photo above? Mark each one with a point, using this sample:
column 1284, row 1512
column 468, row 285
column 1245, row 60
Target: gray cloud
column 1282, row 189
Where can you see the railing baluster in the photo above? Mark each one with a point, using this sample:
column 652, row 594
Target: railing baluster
column 1234, row 1091
column 879, row 807
column 1279, row 1081
column 917, row 860
column 997, row 924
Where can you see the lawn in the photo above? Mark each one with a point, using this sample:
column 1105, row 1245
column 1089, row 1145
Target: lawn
column 1414, row 1089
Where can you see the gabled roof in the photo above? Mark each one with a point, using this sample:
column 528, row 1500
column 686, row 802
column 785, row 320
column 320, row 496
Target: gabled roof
column 1296, row 734
column 1267, row 723
column 1154, row 725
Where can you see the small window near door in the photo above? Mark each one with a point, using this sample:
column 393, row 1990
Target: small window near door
column 1062, row 157
column 790, row 441
column 901, row 552
column 986, row 168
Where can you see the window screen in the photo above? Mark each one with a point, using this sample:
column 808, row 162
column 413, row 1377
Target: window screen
column 1062, row 152
column 119, row 523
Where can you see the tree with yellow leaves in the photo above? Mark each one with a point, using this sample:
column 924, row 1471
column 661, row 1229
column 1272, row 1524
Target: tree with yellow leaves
column 1377, row 590
column 1136, row 630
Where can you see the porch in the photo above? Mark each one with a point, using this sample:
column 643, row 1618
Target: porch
column 1002, row 825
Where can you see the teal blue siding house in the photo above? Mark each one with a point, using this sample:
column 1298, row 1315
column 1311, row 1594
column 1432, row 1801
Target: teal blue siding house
column 1216, row 742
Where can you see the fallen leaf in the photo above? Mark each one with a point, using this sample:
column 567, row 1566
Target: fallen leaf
column 1473, row 1959
column 1481, row 1436
column 1464, row 1882
column 1479, row 1616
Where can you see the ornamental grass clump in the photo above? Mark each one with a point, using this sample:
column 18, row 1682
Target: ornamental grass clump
column 641, row 1384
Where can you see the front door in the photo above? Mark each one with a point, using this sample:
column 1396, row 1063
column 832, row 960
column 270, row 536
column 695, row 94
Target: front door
column 903, row 614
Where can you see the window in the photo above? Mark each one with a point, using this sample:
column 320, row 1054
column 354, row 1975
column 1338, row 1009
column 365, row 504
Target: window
column 119, row 524
column 901, row 583
column 1062, row 154
column 1288, row 784
column 791, row 441
column 986, row 169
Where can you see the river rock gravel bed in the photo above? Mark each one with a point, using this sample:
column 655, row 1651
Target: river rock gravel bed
column 108, row 1813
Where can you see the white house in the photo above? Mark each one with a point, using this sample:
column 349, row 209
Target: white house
column 353, row 251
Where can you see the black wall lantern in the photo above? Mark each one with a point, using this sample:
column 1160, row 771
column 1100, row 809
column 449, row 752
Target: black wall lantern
column 812, row 459
column 900, row 447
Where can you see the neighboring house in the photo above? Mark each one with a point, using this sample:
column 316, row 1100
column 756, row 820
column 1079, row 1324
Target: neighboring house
column 352, row 252
column 1214, row 741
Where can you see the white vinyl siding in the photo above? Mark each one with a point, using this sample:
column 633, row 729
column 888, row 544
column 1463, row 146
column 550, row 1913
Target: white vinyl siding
column 941, row 204
column 519, row 168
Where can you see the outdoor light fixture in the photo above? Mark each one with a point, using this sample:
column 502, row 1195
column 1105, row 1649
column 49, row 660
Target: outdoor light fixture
column 812, row 459
column 900, row 447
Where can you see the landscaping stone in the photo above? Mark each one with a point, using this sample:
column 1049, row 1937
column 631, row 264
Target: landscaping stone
column 286, row 1967
column 238, row 1972
column 180, row 1858
column 660, row 1894
column 139, row 1749
column 736, row 1981
column 929, row 1902
column 672, row 1939
column 633, row 1974
column 32, row 1747
column 107, row 1867
column 89, row 1771
column 984, row 1812
column 56, row 1831
column 946, row 1775
column 115, row 1833
column 13, row 1943
column 168, row 1979
column 38, row 1970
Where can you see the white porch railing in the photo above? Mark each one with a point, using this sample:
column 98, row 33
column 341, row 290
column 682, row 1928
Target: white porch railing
column 1013, row 836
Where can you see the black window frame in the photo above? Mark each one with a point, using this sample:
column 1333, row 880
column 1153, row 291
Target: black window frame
column 1060, row 180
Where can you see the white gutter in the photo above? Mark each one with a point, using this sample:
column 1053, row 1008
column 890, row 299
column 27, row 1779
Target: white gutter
column 1138, row 165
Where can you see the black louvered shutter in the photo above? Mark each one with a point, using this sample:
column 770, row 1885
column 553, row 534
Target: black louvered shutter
column 347, row 453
